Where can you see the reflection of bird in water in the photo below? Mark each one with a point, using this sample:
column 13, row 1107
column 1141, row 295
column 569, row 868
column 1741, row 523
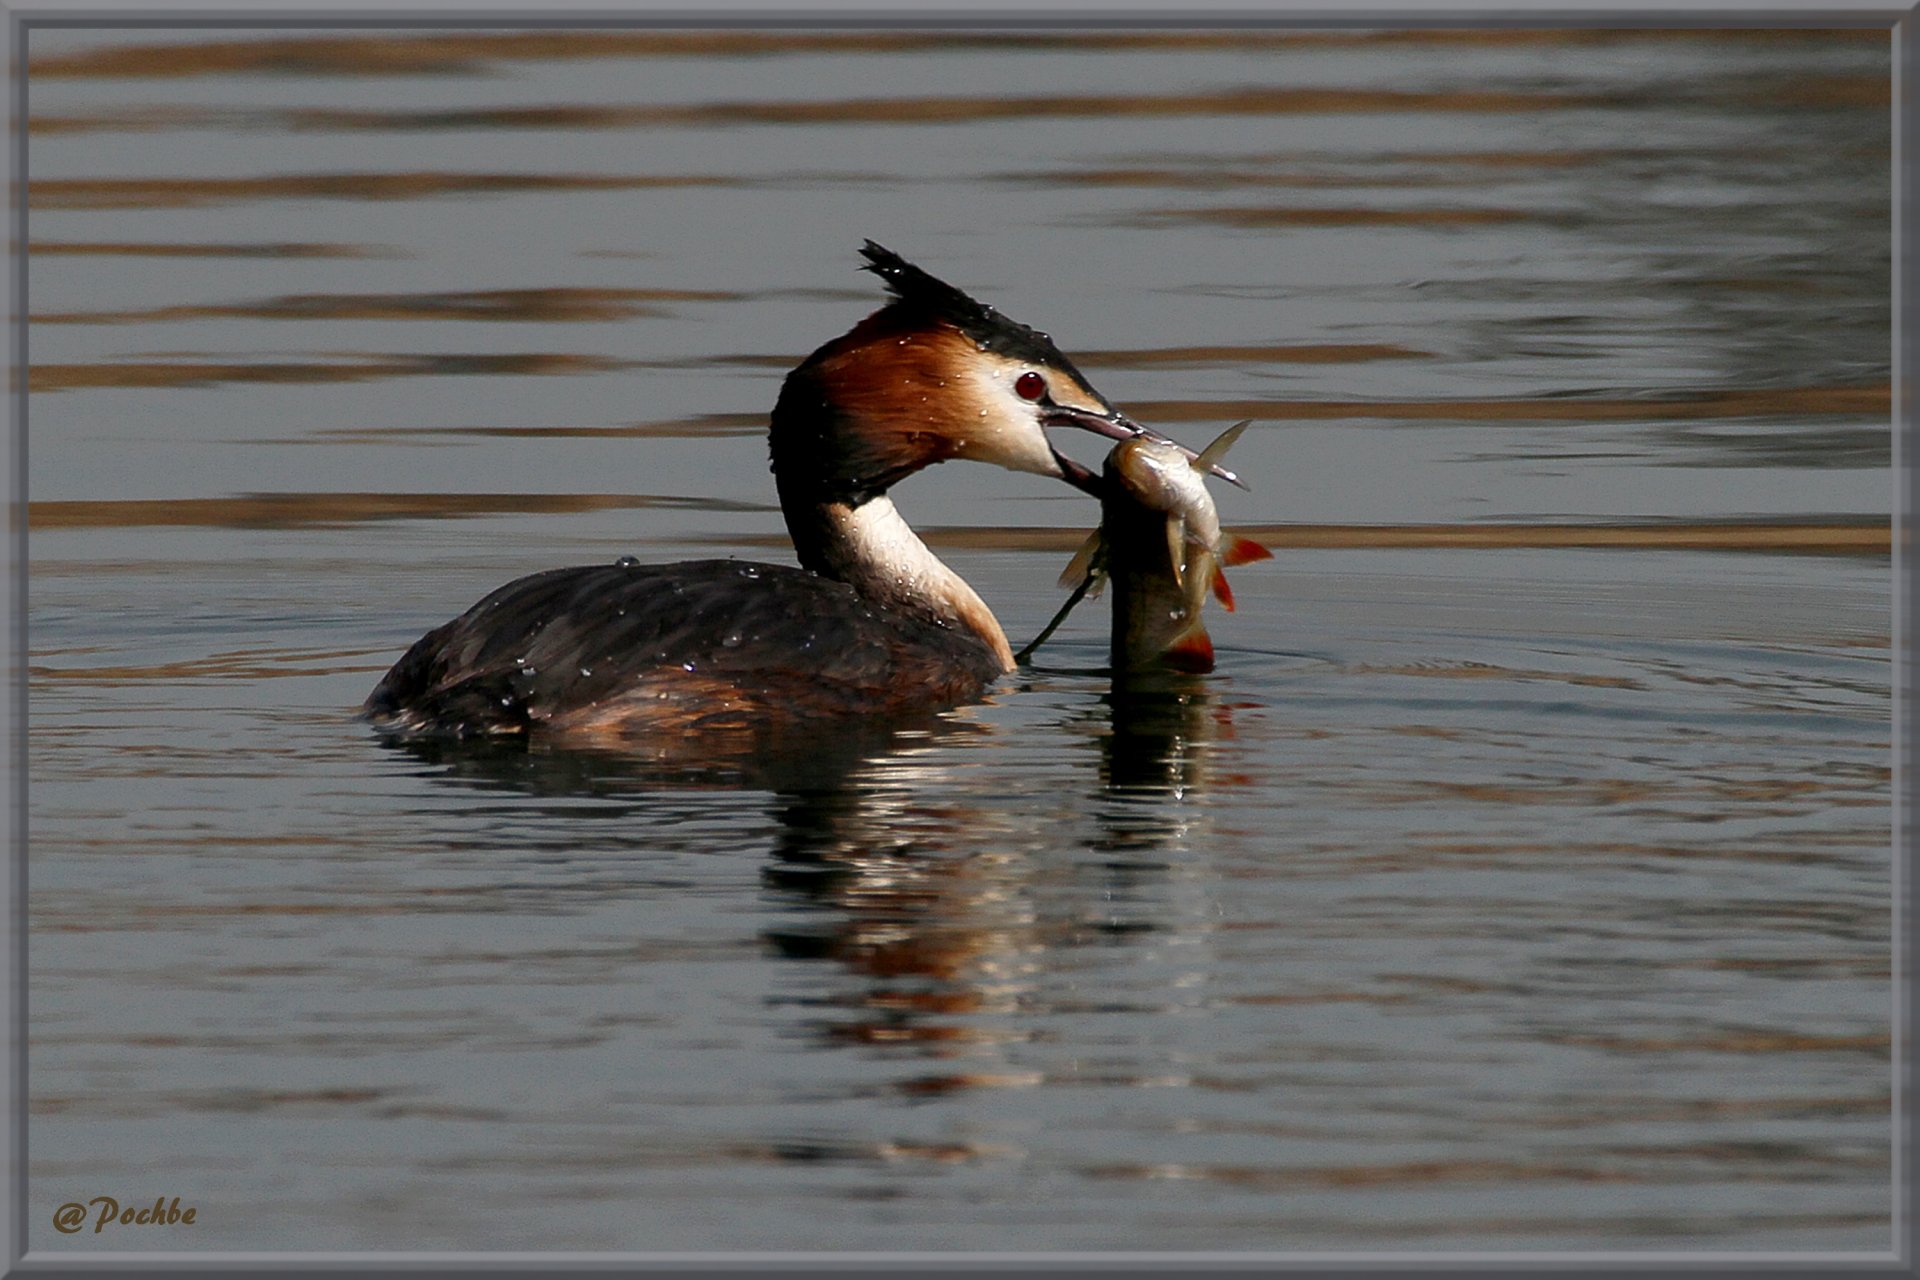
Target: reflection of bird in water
column 798, row 761
column 872, row 623
column 930, row 911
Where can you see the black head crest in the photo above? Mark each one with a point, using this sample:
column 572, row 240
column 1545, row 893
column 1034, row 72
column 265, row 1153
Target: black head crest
column 911, row 287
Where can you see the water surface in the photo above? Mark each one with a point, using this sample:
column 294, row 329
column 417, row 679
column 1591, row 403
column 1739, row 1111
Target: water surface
column 1520, row 881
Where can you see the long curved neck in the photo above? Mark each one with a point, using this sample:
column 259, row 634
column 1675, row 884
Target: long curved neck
column 871, row 549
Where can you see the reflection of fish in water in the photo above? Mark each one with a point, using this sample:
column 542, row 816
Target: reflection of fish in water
column 1160, row 545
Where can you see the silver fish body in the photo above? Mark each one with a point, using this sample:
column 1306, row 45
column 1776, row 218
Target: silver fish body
column 1162, row 536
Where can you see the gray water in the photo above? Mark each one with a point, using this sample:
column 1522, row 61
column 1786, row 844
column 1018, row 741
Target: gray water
column 1520, row 881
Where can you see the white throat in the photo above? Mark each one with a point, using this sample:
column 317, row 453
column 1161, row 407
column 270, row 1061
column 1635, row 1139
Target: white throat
column 876, row 551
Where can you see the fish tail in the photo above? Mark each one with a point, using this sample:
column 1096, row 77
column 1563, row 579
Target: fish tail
column 1191, row 650
column 1243, row 550
column 1221, row 591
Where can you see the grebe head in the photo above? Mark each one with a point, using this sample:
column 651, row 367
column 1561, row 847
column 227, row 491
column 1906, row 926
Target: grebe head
column 931, row 376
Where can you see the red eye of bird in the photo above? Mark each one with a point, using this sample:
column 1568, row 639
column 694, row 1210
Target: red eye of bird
column 1029, row 386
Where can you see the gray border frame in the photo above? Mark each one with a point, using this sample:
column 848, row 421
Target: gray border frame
column 13, row 742
column 1898, row 19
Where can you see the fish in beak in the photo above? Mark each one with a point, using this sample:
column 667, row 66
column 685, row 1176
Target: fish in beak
column 1115, row 425
column 1161, row 548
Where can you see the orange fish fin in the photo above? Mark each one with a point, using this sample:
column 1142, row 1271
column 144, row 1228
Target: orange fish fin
column 1193, row 651
column 1221, row 591
column 1242, row 550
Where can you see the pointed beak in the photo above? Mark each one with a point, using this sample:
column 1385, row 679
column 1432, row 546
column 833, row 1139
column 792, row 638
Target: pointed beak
column 1114, row 426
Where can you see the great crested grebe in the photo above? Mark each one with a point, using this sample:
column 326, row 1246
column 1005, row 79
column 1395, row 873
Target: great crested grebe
column 872, row 623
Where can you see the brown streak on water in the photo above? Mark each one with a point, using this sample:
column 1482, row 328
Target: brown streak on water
column 327, row 510
column 224, row 1100
column 1598, row 1112
column 1482, row 854
column 1867, row 401
column 183, row 914
column 1282, row 353
column 1641, row 1170
column 239, row 665
column 1821, row 92
column 1857, row 536
column 1219, row 178
column 1733, row 1042
column 1291, row 998
column 1489, row 671
column 76, row 248
column 954, row 109
column 892, row 111
column 1154, row 357
column 702, row 426
column 450, row 53
column 548, row 305
column 1865, row 535
column 183, row 193
column 1412, row 1174
column 74, row 377
column 1275, row 216
column 1572, row 158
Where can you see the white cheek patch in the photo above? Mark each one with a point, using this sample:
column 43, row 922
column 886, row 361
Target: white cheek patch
column 999, row 426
